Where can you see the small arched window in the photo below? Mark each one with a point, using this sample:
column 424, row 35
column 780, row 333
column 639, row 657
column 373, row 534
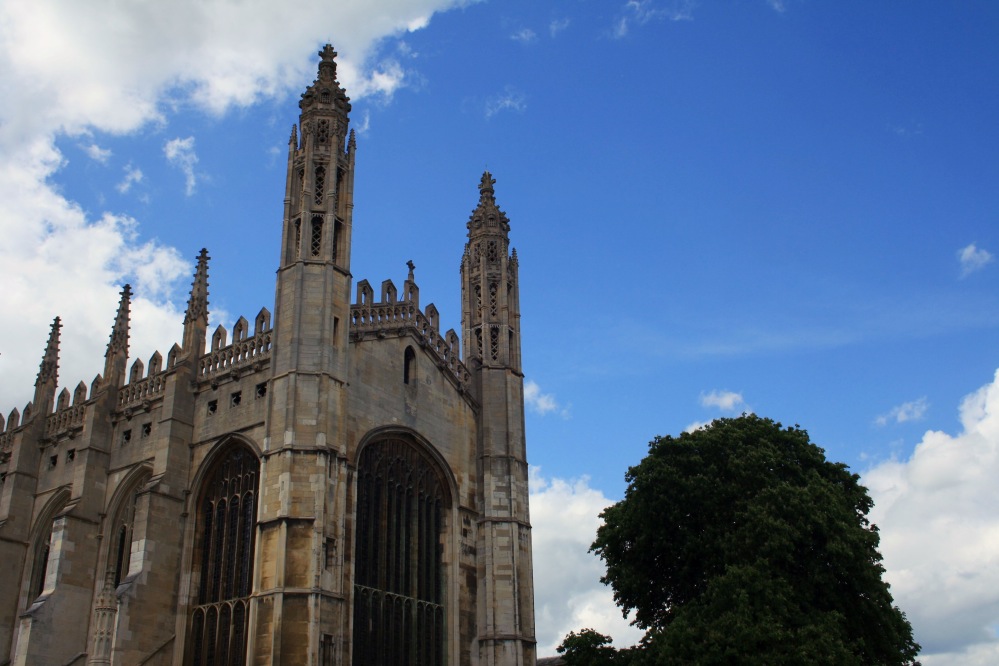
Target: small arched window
column 409, row 366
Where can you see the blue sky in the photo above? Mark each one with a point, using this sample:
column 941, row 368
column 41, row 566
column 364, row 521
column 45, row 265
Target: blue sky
column 781, row 207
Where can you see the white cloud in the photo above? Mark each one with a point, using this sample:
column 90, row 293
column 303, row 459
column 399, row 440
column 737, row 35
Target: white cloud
column 726, row 401
column 640, row 12
column 940, row 534
column 210, row 55
column 180, row 153
column 973, row 259
column 567, row 589
column 542, row 403
column 907, row 411
column 97, row 153
column 557, row 26
column 133, row 175
column 697, row 425
column 524, row 36
column 510, row 99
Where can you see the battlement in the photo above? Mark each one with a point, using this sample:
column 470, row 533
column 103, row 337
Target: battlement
column 391, row 316
column 242, row 352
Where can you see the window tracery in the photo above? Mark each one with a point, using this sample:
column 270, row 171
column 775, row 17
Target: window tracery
column 399, row 610
column 320, row 184
column 226, row 528
column 317, row 235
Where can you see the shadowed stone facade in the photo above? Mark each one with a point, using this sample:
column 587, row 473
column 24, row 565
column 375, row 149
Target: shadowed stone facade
column 340, row 483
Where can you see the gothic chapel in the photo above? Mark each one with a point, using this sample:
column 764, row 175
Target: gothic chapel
column 339, row 483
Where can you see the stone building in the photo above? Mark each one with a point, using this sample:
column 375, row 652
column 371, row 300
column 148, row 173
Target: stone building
column 339, row 483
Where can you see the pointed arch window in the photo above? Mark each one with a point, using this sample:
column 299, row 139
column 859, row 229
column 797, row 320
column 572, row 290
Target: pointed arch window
column 409, row 365
column 399, row 590
column 226, row 526
column 121, row 538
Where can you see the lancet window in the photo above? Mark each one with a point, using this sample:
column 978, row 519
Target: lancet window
column 121, row 539
column 226, row 527
column 399, row 609
column 320, row 184
column 317, row 235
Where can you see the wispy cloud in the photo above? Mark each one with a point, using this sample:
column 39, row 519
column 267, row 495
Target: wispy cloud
column 510, row 99
column 557, row 26
column 180, row 153
column 640, row 12
column 133, row 175
column 973, row 259
column 726, row 401
column 97, row 153
column 524, row 36
column 907, row 411
column 542, row 403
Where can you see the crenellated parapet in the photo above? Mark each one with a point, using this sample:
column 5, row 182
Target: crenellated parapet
column 390, row 316
column 245, row 350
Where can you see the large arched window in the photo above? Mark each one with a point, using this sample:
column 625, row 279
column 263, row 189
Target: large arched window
column 227, row 512
column 399, row 587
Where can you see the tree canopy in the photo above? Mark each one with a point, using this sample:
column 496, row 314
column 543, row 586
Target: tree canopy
column 740, row 543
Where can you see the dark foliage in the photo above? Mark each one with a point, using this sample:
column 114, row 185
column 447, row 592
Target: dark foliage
column 740, row 543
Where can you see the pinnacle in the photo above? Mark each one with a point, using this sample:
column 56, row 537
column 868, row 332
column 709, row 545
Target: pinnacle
column 119, row 332
column 197, row 304
column 486, row 191
column 49, row 367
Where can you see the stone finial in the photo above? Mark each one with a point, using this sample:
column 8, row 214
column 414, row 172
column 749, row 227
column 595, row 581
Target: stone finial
column 412, row 267
column 487, row 216
column 48, row 371
column 487, row 195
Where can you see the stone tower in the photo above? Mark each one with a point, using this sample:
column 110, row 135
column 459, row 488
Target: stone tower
column 490, row 315
column 347, row 486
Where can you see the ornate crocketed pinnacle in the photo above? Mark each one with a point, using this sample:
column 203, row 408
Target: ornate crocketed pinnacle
column 197, row 304
column 487, row 213
column 487, row 195
column 325, row 89
column 119, row 332
column 49, row 368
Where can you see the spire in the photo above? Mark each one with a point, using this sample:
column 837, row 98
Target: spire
column 487, row 216
column 116, row 356
column 48, row 371
column 325, row 91
column 293, row 140
column 197, row 304
column 196, row 318
column 48, row 374
column 119, row 332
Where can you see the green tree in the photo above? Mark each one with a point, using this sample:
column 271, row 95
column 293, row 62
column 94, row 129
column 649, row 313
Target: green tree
column 740, row 543
column 591, row 648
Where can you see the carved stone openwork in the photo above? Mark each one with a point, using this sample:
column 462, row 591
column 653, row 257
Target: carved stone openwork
column 226, row 527
column 399, row 610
